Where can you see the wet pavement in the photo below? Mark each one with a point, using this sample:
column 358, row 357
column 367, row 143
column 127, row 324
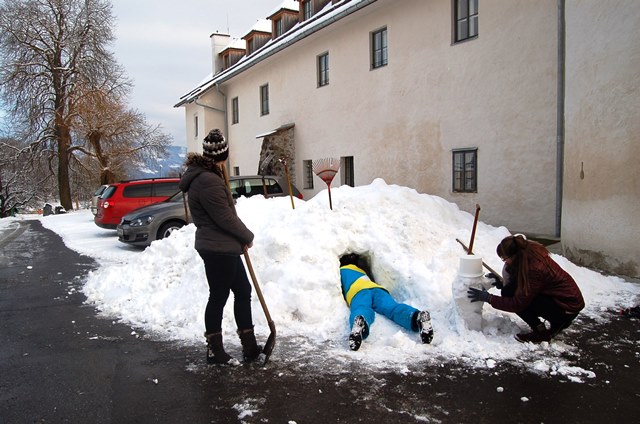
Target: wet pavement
column 61, row 363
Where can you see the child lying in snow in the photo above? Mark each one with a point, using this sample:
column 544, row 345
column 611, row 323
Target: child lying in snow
column 365, row 298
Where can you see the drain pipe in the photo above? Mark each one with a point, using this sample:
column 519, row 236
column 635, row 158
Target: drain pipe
column 560, row 115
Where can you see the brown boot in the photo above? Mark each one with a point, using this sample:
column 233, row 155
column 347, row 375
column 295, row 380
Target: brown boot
column 538, row 335
column 250, row 349
column 215, row 351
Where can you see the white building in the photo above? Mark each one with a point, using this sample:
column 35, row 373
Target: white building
column 479, row 102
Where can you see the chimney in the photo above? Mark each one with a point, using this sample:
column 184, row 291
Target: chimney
column 218, row 43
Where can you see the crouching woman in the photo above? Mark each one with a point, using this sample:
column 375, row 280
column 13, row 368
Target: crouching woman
column 534, row 287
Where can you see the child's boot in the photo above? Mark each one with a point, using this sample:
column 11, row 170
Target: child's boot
column 357, row 331
column 423, row 321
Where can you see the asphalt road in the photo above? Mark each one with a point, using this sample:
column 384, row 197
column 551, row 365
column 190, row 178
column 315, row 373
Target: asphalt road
column 61, row 363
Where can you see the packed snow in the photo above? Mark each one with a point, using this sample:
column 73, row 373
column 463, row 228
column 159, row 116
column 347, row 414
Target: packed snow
column 411, row 241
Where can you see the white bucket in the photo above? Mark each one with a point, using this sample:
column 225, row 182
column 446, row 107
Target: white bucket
column 470, row 266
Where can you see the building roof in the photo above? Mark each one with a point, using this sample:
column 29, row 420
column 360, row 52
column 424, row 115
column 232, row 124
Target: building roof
column 330, row 14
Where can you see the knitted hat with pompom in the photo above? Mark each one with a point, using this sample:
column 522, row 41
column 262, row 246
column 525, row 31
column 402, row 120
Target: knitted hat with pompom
column 214, row 146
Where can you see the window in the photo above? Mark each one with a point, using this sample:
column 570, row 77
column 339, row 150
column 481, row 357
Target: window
column 465, row 171
column 308, row 174
column 195, row 126
column 466, row 19
column 278, row 28
column 236, row 170
column 346, row 166
column 379, row 48
column 264, row 100
column 306, row 10
column 235, row 113
column 323, row 69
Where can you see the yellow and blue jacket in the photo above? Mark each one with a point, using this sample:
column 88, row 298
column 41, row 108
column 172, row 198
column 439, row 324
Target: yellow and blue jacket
column 355, row 280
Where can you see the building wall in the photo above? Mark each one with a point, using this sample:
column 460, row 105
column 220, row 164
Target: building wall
column 600, row 223
column 496, row 93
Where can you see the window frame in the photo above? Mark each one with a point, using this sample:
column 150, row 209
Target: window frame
column 308, row 174
column 460, row 177
column 322, row 65
column 466, row 18
column 235, row 111
column 264, row 99
column 379, row 36
column 347, row 171
column 307, row 10
column 195, row 126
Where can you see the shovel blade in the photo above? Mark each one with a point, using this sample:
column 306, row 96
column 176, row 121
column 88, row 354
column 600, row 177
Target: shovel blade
column 270, row 343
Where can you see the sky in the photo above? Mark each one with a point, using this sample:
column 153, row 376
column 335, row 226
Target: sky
column 411, row 239
column 165, row 49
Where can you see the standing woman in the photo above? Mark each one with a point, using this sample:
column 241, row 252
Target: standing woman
column 535, row 287
column 221, row 238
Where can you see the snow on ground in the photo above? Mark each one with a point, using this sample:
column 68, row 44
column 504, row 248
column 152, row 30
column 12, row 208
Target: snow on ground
column 411, row 239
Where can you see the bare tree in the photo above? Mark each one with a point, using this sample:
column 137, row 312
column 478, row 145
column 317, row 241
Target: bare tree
column 51, row 50
column 115, row 136
column 22, row 180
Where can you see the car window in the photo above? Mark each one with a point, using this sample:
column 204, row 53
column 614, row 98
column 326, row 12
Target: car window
column 137, row 190
column 108, row 192
column 176, row 198
column 272, row 186
column 168, row 188
column 100, row 190
column 237, row 189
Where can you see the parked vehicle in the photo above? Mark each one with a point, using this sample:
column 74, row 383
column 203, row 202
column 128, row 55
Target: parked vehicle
column 121, row 198
column 96, row 197
column 268, row 186
column 155, row 222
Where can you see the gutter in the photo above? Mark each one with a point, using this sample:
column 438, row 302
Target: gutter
column 560, row 115
column 250, row 62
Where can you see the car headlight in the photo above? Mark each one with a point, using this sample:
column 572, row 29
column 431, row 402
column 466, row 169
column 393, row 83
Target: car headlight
column 142, row 221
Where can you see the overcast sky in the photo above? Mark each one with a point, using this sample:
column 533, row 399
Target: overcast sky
column 165, row 48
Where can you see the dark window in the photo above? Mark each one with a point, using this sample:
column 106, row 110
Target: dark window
column 323, row 69
column 466, row 19
column 235, row 112
column 108, row 192
column 195, row 125
column 264, row 99
column 165, row 189
column 379, row 48
column 465, row 171
column 137, row 190
column 236, row 170
column 278, row 27
column 308, row 174
column 306, row 10
column 347, row 170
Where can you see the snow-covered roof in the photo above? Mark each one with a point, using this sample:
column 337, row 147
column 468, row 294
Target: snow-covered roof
column 237, row 43
column 286, row 4
column 322, row 19
column 261, row 25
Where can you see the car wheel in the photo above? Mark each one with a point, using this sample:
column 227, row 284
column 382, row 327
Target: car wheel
column 168, row 228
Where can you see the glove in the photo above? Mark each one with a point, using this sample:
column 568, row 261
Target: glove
column 477, row 295
column 497, row 281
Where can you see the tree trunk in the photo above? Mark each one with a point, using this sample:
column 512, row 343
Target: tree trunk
column 64, row 187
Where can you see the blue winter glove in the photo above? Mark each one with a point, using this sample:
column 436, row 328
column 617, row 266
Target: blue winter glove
column 497, row 281
column 477, row 295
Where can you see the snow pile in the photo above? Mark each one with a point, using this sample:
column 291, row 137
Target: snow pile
column 410, row 239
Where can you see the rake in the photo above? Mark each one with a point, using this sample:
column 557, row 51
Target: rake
column 326, row 169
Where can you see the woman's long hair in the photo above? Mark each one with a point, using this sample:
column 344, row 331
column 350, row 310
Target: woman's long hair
column 522, row 251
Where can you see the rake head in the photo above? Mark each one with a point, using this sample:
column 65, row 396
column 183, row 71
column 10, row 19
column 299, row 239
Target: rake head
column 326, row 168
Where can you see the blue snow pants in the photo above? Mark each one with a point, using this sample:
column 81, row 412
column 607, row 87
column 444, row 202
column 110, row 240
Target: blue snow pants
column 368, row 302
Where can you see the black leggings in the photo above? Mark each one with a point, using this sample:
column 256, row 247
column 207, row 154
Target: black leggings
column 226, row 273
column 545, row 307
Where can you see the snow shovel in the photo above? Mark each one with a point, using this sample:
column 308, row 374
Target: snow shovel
column 286, row 171
column 271, row 340
column 473, row 231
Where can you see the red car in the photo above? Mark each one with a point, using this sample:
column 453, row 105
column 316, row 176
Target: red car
column 121, row 198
